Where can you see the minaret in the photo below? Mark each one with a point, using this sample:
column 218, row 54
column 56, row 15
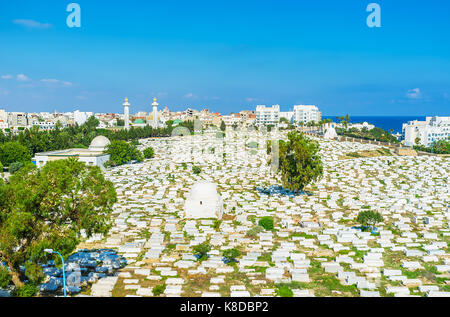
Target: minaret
column 126, row 112
column 155, row 114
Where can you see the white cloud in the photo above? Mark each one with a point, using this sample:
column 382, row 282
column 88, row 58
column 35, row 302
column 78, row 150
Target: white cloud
column 251, row 99
column 56, row 81
column 190, row 96
column 414, row 93
column 7, row 76
column 32, row 24
column 22, row 77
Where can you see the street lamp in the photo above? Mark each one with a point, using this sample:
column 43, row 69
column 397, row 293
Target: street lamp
column 50, row 251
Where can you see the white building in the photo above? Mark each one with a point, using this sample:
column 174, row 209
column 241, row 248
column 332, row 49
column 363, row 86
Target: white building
column 288, row 115
column 431, row 130
column 203, row 202
column 267, row 116
column 45, row 125
column 306, row 113
column 94, row 156
column 360, row 126
column 3, row 115
column 81, row 117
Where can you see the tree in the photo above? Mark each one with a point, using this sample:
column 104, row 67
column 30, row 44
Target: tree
column 15, row 167
column 231, row 254
column 223, row 127
column 369, row 218
column 12, row 152
column 46, row 209
column 122, row 152
column 149, row 153
column 266, row 223
column 202, row 250
column 299, row 161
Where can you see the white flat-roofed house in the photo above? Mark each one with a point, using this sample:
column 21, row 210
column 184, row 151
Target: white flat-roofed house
column 306, row 113
column 267, row 115
column 94, row 156
column 427, row 132
column 3, row 125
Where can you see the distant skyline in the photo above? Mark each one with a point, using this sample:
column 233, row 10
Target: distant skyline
column 226, row 56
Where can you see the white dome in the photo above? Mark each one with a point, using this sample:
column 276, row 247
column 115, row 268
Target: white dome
column 99, row 143
column 204, row 190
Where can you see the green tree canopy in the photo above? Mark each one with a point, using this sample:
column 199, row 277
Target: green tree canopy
column 299, row 161
column 149, row 153
column 223, row 127
column 266, row 223
column 369, row 218
column 12, row 152
column 122, row 152
column 47, row 208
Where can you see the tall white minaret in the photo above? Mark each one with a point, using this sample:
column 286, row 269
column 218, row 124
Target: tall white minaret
column 155, row 114
column 126, row 112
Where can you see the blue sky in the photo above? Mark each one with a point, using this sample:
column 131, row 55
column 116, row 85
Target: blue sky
column 226, row 56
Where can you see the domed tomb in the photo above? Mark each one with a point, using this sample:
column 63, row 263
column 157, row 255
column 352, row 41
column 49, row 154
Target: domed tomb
column 99, row 144
column 330, row 132
column 203, row 202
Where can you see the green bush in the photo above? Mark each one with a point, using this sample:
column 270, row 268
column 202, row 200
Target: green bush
column 266, row 223
column 11, row 152
column 27, row 290
column 149, row 153
column 15, row 167
column 202, row 249
column 284, row 291
column 231, row 254
column 196, row 170
column 253, row 232
column 369, row 218
column 159, row 289
column 121, row 152
column 5, row 277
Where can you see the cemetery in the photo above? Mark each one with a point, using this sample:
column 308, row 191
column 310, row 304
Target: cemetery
column 316, row 246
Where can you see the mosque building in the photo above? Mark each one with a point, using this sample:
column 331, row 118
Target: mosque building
column 93, row 156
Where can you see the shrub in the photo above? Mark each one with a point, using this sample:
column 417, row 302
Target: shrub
column 196, row 170
column 253, row 232
column 149, row 153
column 284, row 291
column 231, row 254
column 15, row 167
column 266, row 223
column 27, row 290
column 5, row 277
column 202, row 249
column 121, row 152
column 159, row 289
column 217, row 224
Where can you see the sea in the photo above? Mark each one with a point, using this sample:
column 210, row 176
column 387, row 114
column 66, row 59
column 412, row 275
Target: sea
column 384, row 122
